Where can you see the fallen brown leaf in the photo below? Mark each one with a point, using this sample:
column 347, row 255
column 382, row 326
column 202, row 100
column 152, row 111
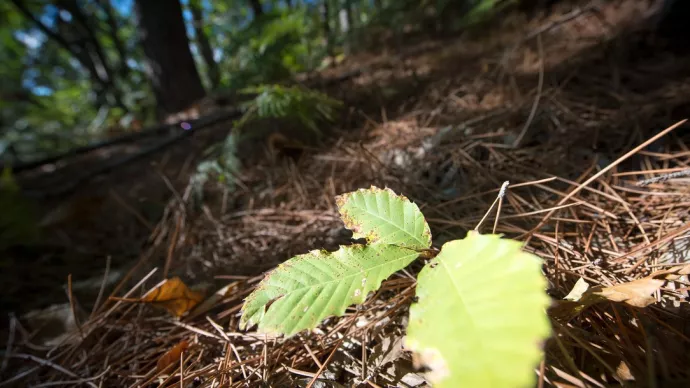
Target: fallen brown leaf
column 576, row 293
column 673, row 273
column 172, row 356
column 174, row 296
column 213, row 300
column 623, row 372
column 637, row 293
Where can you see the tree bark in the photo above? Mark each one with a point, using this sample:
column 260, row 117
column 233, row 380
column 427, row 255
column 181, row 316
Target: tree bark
column 169, row 62
column 325, row 14
column 346, row 25
column 257, row 8
column 203, row 43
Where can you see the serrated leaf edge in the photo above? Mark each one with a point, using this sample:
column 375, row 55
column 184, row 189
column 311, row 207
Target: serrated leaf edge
column 350, row 223
column 259, row 314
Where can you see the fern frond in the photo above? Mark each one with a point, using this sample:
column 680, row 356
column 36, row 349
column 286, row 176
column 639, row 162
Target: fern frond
column 308, row 107
column 223, row 165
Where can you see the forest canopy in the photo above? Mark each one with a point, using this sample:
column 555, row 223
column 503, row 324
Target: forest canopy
column 77, row 71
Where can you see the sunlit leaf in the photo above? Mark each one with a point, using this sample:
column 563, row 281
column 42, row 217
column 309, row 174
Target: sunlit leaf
column 381, row 216
column 576, row 293
column 306, row 289
column 637, row 293
column 481, row 314
column 174, row 296
column 673, row 273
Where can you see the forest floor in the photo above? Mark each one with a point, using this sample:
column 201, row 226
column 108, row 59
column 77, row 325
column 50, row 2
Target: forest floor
column 552, row 103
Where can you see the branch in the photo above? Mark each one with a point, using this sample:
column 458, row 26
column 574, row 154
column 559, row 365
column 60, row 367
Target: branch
column 665, row 177
column 112, row 26
column 124, row 139
column 59, row 39
column 201, row 123
column 50, row 33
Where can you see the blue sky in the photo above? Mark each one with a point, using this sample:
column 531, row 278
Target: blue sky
column 124, row 7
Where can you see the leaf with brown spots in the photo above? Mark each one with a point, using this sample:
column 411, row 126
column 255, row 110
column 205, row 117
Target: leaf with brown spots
column 381, row 216
column 306, row 289
column 174, row 296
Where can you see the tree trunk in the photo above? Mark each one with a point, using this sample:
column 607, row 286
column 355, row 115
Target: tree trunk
column 325, row 14
column 346, row 24
column 203, row 43
column 169, row 63
column 257, row 8
column 288, row 3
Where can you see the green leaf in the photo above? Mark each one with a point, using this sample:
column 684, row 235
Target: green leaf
column 306, row 289
column 481, row 314
column 381, row 216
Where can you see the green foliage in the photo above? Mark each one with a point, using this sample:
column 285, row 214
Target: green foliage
column 482, row 307
column 273, row 48
column 308, row 288
column 481, row 296
column 305, row 106
column 223, row 165
column 481, row 10
column 381, row 216
column 50, row 100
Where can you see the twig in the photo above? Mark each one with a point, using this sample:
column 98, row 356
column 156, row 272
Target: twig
column 664, row 177
column 44, row 362
column 669, row 237
column 10, row 342
column 171, row 248
column 73, row 382
column 131, row 210
column 72, row 305
column 102, row 288
column 564, row 19
column 605, row 170
column 501, row 194
column 131, row 291
column 330, row 356
column 535, row 104
column 197, row 124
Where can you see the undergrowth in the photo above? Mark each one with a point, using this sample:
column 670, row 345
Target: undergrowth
column 295, row 106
